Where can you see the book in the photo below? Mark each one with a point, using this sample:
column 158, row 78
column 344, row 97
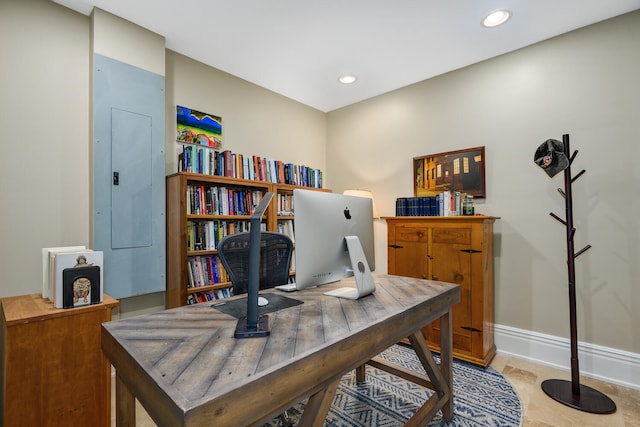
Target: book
column 48, row 271
column 228, row 163
column 81, row 286
column 75, row 260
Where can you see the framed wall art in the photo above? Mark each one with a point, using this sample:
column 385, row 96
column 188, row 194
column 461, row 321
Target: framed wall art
column 195, row 127
column 460, row 170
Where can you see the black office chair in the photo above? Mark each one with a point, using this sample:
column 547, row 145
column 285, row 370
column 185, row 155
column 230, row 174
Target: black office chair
column 275, row 259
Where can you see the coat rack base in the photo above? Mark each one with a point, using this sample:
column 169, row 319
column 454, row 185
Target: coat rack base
column 587, row 400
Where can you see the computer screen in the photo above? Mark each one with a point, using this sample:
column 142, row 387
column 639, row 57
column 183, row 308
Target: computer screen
column 322, row 221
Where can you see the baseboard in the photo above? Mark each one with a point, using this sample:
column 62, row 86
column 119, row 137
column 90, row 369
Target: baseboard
column 602, row 363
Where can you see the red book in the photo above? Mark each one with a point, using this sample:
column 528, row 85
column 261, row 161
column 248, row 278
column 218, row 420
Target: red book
column 280, row 172
column 228, row 163
column 263, row 170
column 249, row 203
column 210, row 268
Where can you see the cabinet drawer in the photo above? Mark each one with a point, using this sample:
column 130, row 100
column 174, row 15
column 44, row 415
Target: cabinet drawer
column 451, row 235
column 411, row 234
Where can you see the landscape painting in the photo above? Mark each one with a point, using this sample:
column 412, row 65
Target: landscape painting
column 195, row 127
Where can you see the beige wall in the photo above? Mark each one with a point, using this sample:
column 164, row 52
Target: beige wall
column 585, row 84
column 119, row 39
column 254, row 120
column 44, row 131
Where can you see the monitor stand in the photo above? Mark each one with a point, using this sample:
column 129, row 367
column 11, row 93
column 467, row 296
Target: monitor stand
column 364, row 280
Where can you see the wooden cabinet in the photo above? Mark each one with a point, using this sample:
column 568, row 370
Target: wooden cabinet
column 180, row 220
column 457, row 249
column 53, row 370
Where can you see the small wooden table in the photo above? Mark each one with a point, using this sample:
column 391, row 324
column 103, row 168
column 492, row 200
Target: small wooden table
column 186, row 368
column 53, row 370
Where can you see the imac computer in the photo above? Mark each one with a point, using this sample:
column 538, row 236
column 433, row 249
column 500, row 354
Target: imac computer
column 333, row 240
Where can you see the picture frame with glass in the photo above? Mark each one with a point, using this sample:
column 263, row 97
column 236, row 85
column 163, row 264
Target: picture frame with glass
column 455, row 171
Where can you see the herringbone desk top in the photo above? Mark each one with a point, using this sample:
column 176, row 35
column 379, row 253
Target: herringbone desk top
column 186, row 368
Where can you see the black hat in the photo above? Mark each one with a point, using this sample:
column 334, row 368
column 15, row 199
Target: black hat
column 550, row 156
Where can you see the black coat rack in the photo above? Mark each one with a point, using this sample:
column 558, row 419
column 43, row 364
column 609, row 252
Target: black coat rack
column 572, row 393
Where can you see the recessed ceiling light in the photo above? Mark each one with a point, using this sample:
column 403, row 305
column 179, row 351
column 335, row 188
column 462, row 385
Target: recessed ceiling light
column 347, row 79
column 496, row 18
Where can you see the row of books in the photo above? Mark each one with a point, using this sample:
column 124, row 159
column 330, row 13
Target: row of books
column 72, row 276
column 208, row 296
column 285, row 226
column 214, row 200
column 205, row 270
column 205, row 235
column 285, row 204
column 205, row 160
column 447, row 203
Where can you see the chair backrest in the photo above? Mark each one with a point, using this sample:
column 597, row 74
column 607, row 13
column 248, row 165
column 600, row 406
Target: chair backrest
column 275, row 259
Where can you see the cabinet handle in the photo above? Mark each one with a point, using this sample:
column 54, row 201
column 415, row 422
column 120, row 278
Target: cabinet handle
column 395, row 246
column 469, row 328
column 471, row 251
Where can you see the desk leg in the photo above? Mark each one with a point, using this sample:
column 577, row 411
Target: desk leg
column 442, row 391
column 318, row 405
column 125, row 405
column 446, row 361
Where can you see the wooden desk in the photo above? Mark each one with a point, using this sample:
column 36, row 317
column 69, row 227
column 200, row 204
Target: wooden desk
column 53, row 370
column 186, row 368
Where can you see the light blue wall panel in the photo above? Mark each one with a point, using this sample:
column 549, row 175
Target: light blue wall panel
column 129, row 213
column 131, row 192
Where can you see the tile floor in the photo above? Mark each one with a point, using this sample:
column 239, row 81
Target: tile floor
column 539, row 409
column 542, row 411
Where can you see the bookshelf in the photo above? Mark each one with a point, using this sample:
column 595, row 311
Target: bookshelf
column 198, row 215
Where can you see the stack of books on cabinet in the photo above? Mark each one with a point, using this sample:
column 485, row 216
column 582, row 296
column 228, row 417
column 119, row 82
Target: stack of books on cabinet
column 201, row 210
column 72, row 276
column 447, row 203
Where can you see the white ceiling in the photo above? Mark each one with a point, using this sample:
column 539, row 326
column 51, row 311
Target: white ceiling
column 299, row 48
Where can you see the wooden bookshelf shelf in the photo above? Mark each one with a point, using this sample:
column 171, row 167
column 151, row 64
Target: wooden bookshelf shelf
column 178, row 252
column 208, row 288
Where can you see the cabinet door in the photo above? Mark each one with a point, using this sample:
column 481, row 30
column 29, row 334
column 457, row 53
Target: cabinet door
column 450, row 253
column 408, row 252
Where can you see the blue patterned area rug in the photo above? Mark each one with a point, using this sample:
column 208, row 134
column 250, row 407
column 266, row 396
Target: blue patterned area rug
column 482, row 397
